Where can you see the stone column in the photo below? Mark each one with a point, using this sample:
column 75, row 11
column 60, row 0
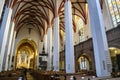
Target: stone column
column 12, row 50
column 9, row 47
column 49, row 62
column 45, row 37
column 101, row 52
column 45, row 42
column 69, row 46
column 4, row 35
column 49, row 42
column 2, row 28
column 2, row 2
column 56, row 44
column 56, row 40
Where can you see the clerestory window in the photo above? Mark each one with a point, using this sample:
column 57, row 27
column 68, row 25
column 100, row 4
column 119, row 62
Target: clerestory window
column 114, row 8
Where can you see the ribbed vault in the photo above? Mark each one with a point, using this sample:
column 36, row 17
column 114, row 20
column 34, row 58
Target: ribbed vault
column 35, row 13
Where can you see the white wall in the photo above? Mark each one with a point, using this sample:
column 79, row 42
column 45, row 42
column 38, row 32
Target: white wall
column 24, row 34
column 87, row 31
column 87, row 28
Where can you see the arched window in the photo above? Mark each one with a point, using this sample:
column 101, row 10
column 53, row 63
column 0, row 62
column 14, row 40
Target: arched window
column 83, row 63
column 81, row 30
column 114, row 8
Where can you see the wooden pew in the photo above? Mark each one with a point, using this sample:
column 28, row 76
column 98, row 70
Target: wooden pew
column 10, row 75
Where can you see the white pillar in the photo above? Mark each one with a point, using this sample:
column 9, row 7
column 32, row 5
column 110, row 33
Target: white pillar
column 69, row 46
column 101, row 53
column 9, row 47
column 45, row 46
column 49, row 62
column 3, row 24
column 56, row 44
column 6, row 25
column 2, row 2
column 45, row 38
column 12, row 50
column 45, row 42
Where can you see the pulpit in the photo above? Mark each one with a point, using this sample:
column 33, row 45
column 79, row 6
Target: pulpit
column 43, row 60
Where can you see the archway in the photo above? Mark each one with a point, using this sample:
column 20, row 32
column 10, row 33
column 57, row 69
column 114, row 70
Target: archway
column 26, row 55
column 115, row 58
column 84, row 62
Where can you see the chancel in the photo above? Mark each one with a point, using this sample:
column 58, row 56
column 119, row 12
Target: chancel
column 59, row 39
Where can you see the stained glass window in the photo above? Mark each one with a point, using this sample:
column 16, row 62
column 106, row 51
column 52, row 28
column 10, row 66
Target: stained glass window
column 83, row 62
column 114, row 8
column 81, row 30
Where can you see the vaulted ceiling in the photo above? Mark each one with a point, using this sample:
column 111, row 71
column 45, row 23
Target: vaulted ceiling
column 35, row 13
